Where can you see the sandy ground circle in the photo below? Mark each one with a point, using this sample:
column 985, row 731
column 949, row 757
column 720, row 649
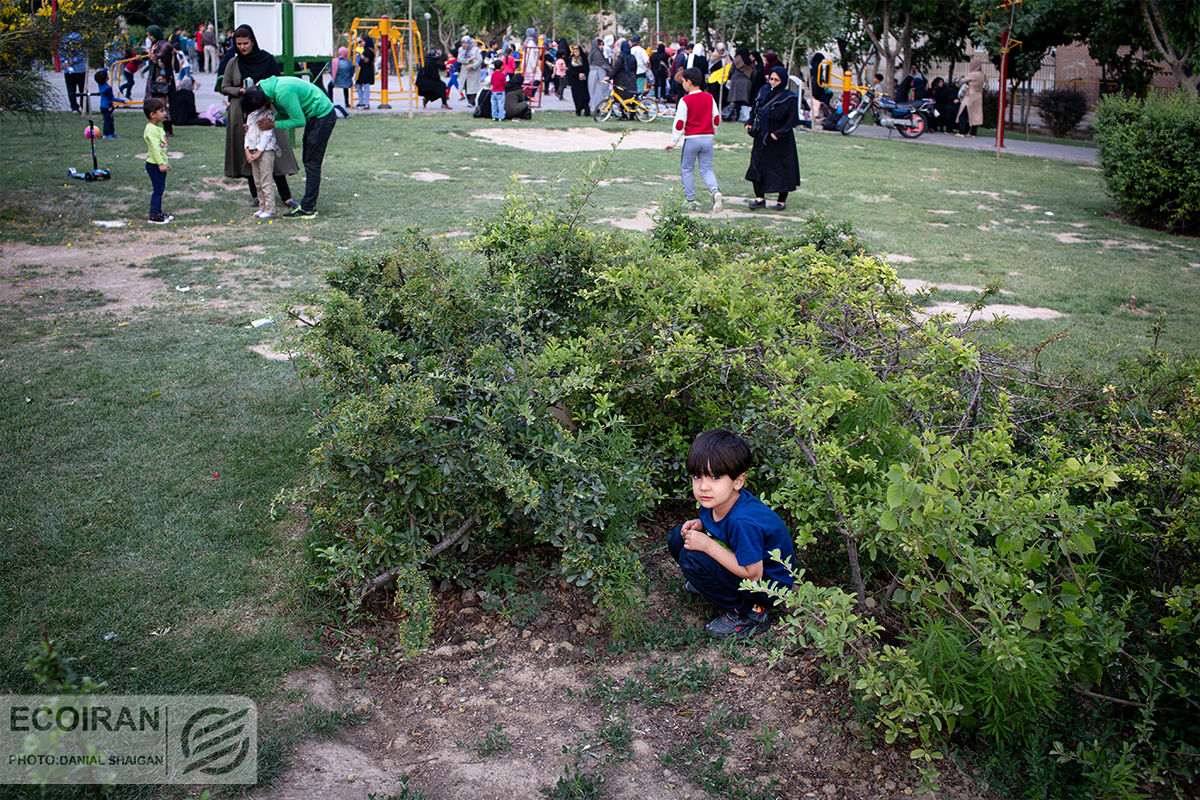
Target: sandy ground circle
column 574, row 140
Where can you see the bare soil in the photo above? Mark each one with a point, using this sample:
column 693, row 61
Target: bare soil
column 428, row 718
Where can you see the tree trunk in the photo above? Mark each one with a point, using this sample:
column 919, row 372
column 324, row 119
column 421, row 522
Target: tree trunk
column 1175, row 60
column 882, row 42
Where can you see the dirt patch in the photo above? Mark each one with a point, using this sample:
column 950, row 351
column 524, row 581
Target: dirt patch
column 960, row 312
column 548, row 682
column 110, row 268
column 572, row 140
column 268, row 351
column 428, row 176
column 228, row 184
column 914, row 285
column 642, row 221
column 897, row 258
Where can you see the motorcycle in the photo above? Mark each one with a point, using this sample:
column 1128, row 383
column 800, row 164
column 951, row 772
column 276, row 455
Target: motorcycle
column 911, row 118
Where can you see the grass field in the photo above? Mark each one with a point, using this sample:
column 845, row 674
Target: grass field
column 144, row 441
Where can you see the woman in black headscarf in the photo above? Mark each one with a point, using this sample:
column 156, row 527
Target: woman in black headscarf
column 160, row 79
column 623, row 72
column 252, row 63
column 773, row 163
column 577, row 79
column 821, row 95
column 659, row 60
column 742, row 80
column 430, row 85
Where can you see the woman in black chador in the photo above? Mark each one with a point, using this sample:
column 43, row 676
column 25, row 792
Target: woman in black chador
column 430, row 85
column 774, row 167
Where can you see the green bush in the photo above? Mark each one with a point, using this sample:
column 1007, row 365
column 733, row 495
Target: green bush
column 1062, row 110
column 1147, row 149
column 1030, row 539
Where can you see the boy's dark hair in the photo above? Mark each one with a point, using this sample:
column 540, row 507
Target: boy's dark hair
column 718, row 452
column 253, row 99
column 101, row 76
column 498, row 64
column 692, row 76
column 152, row 104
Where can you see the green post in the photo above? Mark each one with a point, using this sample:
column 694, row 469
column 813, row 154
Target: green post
column 289, row 41
column 289, row 54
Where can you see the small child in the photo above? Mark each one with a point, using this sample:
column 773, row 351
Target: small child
column 499, row 80
column 696, row 120
column 106, row 103
column 261, row 148
column 156, row 156
column 733, row 538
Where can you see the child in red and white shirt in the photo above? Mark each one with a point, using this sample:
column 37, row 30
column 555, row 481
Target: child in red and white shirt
column 696, row 120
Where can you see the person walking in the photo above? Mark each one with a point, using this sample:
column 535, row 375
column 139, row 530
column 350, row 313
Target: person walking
column 773, row 163
column 208, row 42
column 341, row 72
column 249, row 66
column 741, row 82
column 696, row 119
column 160, row 78
column 972, row 100
column 659, row 60
column 598, row 67
column 577, row 79
column 364, row 78
column 73, row 58
column 470, row 68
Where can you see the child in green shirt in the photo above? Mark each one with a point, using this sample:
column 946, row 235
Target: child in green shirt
column 156, row 157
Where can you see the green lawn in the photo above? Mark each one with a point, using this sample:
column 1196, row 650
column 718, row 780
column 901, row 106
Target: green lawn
column 143, row 447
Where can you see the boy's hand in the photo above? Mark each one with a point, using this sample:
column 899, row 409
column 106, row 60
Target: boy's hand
column 266, row 124
column 697, row 540
column 164, row 167
column 694, row 537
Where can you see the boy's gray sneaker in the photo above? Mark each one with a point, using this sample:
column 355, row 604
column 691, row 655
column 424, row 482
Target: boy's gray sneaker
column 732, row 625
column 693, row 205
column 717, row 201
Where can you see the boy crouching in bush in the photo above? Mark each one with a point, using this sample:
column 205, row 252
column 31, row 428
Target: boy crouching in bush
column 732, row 539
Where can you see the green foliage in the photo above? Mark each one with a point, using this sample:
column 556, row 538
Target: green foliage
column 703, row 756
column 406, row 792
column 1062, row 109
column 666, row 683
column 56, row 674
column 496, row 741
column 1030, row 537
column 1149, row 161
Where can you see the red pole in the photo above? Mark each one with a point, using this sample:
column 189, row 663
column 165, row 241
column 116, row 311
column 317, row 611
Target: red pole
column 54, row 18
column 847, row 94
column 385, row 47
column 1003, row 88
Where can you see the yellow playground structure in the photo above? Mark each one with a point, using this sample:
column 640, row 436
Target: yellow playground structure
column 399, row 43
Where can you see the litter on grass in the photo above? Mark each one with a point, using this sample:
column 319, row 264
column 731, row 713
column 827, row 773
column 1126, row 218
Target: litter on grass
column 258, row 323
column 109, row 223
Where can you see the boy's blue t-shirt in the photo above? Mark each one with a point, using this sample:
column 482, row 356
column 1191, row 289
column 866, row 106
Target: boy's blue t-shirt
column 751, row 531
column 106, row 96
